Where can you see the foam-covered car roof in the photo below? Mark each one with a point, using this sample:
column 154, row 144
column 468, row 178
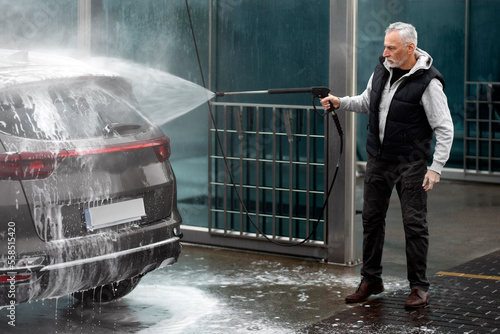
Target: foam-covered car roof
column 21, row 67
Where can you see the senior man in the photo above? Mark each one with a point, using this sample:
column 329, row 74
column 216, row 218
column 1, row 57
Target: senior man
column 407, row 105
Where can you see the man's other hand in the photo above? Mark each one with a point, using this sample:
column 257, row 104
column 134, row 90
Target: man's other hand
column 430, row 179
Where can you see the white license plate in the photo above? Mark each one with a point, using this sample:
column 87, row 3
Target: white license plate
column 114, row 214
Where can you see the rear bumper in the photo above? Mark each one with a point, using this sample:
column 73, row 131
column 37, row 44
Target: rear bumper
column 111, row 257
column 84, row 263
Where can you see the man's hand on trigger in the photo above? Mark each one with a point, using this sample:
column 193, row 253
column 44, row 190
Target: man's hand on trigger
column 430, row 179
column 325, row 102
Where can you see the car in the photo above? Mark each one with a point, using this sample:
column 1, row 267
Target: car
column 88, row 195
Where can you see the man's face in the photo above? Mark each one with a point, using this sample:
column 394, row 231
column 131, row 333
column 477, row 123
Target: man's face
column 396, row 52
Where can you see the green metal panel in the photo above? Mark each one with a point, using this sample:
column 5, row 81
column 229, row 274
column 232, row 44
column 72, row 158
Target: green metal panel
column 483, row 50
column 482, row 89
column 156, row 33
column 262, row 44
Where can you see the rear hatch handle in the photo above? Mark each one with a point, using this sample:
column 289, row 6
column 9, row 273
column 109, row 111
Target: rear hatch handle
column 111, row 128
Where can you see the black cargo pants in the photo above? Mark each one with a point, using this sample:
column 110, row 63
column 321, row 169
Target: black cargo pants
column 380, row 178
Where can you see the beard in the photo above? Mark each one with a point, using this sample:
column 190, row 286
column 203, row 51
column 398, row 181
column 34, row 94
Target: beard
column 396, row 63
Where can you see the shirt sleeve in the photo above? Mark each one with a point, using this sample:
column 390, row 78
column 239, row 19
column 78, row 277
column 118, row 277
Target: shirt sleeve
column 438, row 114
column 359, row 103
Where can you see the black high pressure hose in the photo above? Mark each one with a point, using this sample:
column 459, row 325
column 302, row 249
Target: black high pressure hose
column 317, row 92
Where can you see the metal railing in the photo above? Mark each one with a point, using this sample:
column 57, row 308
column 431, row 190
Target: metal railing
column 276, row 155
column 482, row 128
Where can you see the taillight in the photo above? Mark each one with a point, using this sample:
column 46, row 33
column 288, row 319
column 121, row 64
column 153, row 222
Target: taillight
column 39, row 165
column 29, row 165
column 163, row 150
column 14, row 278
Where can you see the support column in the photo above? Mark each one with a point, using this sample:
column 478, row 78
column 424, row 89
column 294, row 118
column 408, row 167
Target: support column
column 342, row 82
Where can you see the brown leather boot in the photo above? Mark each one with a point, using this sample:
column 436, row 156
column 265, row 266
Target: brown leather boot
column 364, row 291
column 417, row 298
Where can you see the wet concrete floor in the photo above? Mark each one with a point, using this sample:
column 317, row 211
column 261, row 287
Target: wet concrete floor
column 465, row 299
column 212, row 290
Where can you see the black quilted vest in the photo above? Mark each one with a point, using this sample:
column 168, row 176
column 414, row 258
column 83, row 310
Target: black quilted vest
column 407, row 135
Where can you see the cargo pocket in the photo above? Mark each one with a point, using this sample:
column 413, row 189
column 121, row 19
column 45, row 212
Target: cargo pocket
column 413, row 201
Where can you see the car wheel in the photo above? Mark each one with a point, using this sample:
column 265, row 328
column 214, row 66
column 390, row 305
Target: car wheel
column 109, row 292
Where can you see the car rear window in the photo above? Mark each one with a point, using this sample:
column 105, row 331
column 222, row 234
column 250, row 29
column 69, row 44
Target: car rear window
column 71, row 109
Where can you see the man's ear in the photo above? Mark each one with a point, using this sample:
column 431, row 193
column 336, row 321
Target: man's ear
column 411, row 48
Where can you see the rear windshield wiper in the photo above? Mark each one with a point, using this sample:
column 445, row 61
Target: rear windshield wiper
column 118, row 128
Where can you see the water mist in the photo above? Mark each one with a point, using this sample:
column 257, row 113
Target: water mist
column 162, row 96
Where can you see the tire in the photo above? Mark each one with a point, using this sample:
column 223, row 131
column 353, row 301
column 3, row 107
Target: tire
column 109, row 292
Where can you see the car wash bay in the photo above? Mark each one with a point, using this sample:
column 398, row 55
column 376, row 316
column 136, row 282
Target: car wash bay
column 213, row 290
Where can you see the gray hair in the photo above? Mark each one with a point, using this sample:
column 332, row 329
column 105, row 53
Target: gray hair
column 407, row 32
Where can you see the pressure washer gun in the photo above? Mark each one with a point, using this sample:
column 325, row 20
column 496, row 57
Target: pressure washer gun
column 317, row 92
